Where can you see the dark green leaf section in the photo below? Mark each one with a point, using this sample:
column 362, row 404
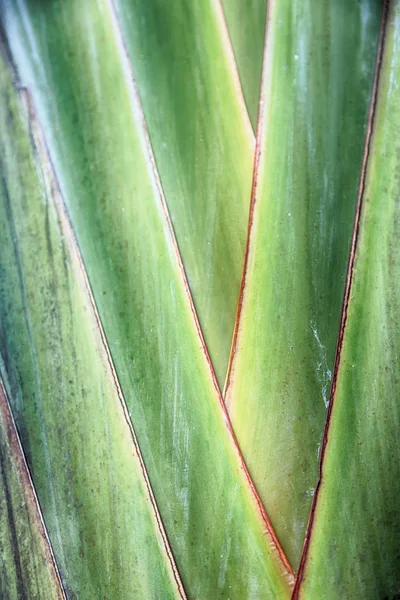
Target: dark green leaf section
column 72, row 57
column 27, row 567
column 319, row 65
column 246, row 24
column 96, row 503
column 203, row 146
column 354, row 549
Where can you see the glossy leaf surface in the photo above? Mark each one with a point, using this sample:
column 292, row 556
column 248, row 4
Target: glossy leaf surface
column 77, row 438
column 27, row 568
column 354, row 548
column 246, row 24
column 203, row 146
column 73, row 59
column 319, row 64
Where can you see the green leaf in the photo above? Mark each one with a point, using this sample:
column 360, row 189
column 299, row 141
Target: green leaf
column 203, row 146
column 27, row 567
column 97, row 504
column 318, row 74
column 246, row 24
column 353, row 550
column 72, row 57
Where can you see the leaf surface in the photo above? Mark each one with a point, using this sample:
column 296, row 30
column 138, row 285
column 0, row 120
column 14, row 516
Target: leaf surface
column 73, row 59
column 85, row 465
column 317, row 80
column 246, row 24
column 27, row 567
column 353, row 550
column 203, row 146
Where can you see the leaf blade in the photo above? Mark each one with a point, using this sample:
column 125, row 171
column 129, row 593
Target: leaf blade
column 127, row 245
column 27, row 566
column 361, row 434
column 246, row 24
column 62, row 392
column 203, row 146
column 318, row 58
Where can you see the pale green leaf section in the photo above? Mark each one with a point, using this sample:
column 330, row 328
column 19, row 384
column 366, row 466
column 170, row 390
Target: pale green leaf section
column 246, row 24
column 72, row 57
column 27, row 568
column 354, row 549
column 319, row 65
column 96, row 502
column 203, row 145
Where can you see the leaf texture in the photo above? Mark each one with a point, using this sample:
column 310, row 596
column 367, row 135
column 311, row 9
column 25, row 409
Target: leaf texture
column 318, row 72
column 203, row 145
column 27, row 567
column 246, row 24
column 353, row 550
column 73, row 59
column 97, row 504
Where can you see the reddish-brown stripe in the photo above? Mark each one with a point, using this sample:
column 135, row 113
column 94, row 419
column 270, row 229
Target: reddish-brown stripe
column 349, row 280
column 253, row 198
column 31, row 497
